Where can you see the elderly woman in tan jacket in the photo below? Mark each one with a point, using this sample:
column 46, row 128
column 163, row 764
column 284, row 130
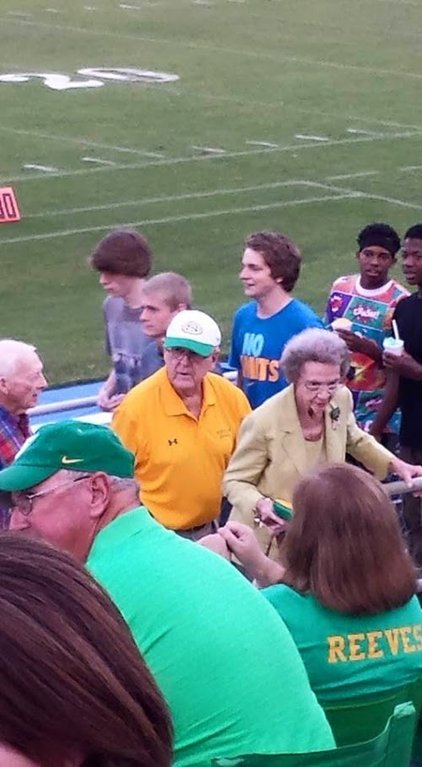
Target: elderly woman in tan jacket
column 311, row 422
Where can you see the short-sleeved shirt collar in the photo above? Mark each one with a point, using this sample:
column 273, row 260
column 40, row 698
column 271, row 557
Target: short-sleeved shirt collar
column 129, row 523
column 173, row 403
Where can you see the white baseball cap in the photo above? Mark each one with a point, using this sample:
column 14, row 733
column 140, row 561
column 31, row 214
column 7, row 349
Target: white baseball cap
column 194, row 330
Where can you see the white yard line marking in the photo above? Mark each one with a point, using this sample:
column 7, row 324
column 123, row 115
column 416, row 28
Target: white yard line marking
column 208, row 149
column 245, row 52
column 306, row 137
column 353, row 67
column 369, row 196
column 98, row 160
column 222, row 157
column 361, row 174
column 177, row 219
column 140, row 152
column 43, row 168
column 268, row 144
column 78, row 141
column 393, row 201
column 362, row 118
column 179, row 197
column 401, row 2
column 411, row 167
column 332, row 188
column 302, row 110
column 360, row 131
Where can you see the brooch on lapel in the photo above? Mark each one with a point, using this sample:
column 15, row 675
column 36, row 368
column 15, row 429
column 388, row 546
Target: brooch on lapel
column 334, row 416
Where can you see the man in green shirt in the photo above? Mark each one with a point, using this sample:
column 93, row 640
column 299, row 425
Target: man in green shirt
column 224, row 660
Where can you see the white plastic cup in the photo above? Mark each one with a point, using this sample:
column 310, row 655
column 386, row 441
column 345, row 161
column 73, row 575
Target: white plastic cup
column 393, row 346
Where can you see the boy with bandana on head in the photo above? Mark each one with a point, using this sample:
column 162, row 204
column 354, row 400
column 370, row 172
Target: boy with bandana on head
column 368, row 301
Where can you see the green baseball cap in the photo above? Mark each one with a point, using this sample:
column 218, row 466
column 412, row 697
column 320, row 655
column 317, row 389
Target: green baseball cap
column 74, row 445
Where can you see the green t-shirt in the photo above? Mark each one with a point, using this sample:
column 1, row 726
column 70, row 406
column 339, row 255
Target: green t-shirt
column 221, row 656
column 348, row 656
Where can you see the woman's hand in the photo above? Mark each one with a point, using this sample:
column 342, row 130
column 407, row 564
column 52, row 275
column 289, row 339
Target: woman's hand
column 241, row 540
column 266, row 515
column 406, row 471
column 216, row 543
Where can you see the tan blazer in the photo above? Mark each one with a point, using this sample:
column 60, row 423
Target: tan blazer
column 270, row 456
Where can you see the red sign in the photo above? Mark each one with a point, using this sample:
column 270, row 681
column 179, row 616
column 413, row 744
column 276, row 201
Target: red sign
column 9, row 210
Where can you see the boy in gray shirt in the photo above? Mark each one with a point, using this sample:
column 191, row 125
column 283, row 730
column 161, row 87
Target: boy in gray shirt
column 123, row 260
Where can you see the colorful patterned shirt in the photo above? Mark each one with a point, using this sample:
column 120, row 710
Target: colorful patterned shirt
column 371, row 312
column 14, row 430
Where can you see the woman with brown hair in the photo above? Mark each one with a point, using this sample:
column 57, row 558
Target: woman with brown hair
column 346, row 584
column 75, row 691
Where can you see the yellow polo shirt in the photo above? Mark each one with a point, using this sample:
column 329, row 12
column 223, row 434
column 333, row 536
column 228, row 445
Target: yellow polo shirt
column 179, row 459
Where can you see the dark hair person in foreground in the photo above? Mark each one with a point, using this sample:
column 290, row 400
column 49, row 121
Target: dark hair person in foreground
column 75, row 691
column 345, row 584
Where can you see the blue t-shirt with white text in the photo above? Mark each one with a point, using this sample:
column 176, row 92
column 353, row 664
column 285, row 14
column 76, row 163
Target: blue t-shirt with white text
column 257, row 345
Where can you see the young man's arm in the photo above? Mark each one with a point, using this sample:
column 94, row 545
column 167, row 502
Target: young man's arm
column 106, row 399
column 388, row 405
column 361, row 345
column 403, row 365
column 239, row 379
column 234, row 355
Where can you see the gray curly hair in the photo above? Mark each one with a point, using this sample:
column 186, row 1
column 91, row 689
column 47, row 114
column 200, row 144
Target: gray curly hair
column 314, row 345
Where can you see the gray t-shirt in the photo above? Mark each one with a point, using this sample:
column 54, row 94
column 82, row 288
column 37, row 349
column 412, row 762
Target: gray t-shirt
column 125, row 342
column 152, row 360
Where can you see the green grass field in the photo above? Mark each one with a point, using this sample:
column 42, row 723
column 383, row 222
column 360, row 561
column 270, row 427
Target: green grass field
column 314, row 106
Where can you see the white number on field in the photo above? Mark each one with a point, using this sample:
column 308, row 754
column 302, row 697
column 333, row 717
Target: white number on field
column 92, row 77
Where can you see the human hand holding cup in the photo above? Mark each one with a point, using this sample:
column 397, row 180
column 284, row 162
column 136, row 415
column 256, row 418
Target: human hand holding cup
column 393, row 346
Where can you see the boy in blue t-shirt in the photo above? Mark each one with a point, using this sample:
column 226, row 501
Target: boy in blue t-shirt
column 270, row 268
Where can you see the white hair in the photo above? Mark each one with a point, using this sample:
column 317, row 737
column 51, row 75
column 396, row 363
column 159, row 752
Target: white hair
column 314, row 345
column 11, row 353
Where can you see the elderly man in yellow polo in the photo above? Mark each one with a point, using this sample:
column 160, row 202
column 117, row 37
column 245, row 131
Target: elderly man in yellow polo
column 182, row 425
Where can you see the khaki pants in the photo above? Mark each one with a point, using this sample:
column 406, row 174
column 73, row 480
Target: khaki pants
column 412, row 510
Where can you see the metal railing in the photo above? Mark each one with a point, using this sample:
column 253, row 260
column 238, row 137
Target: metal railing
column 82, row 403
column 63, row 406
column 400, row 487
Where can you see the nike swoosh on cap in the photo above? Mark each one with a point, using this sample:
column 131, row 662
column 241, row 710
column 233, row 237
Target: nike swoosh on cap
column 65, row 459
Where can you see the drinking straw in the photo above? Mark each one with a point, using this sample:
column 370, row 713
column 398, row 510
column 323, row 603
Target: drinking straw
column 396, row 331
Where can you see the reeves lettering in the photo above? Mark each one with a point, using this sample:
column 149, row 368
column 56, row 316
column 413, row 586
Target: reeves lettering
column 374, row 644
